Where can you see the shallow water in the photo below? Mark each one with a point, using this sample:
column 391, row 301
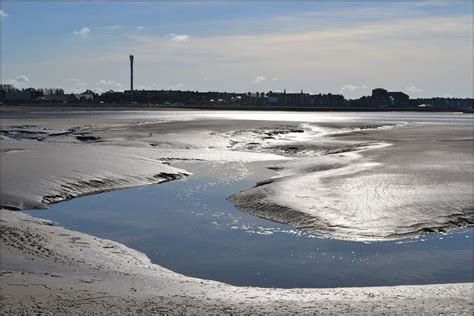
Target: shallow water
column 189, row 227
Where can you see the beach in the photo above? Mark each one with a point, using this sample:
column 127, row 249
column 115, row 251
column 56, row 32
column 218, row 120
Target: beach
column 338, row 176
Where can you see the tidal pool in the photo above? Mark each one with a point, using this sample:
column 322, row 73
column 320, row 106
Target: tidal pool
column 189, row 227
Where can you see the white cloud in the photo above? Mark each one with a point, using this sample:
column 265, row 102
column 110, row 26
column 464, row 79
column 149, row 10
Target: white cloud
column 83, row 33
column 19, row 81
column 106, row 82
column 177, row 86
column 109, row 84
column 353, row 87
column 22, row 79
column 414, row 89
column 178, row 38
column 259, row 79
column 275, row 78
column 140, row 27
column 3, row 14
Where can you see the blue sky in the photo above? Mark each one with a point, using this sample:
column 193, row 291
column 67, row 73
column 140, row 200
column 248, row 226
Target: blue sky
column 422, row 48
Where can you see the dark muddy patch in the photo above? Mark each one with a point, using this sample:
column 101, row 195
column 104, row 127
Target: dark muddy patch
column 88, row 138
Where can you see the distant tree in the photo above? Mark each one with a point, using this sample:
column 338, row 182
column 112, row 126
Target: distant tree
column 52, row 91
column 7, row 88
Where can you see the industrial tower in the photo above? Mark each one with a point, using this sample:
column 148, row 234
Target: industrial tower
column 131, row 74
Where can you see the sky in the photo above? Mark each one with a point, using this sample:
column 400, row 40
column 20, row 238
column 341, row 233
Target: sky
column 424, row 48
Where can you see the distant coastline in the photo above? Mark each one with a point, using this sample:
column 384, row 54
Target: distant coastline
column 150, row 107
column 380, row 100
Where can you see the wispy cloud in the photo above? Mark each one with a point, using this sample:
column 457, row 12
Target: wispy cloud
column 83, row 33
column 413, row 89
column 109, row 84
column 259, row 79
column 3, row 14
column 178, row 38
column 353, row 87
column 139, row 27
column 22, row 79
column 19, row 81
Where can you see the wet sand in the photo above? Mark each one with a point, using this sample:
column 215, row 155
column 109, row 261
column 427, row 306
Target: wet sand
column 50, row 158
column 383, row 184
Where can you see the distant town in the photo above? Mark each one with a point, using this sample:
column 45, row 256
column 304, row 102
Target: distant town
column 380, row 99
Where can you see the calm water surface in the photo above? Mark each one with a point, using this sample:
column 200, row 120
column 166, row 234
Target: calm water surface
column 189, row 227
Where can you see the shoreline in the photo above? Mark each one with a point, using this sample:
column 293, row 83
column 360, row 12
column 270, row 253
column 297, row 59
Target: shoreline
column 8, row 108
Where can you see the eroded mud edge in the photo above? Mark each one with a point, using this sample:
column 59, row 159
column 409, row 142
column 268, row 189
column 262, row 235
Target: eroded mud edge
column 254, row 203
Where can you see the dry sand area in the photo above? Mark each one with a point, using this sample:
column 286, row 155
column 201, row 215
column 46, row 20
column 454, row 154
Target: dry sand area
column 336, row 177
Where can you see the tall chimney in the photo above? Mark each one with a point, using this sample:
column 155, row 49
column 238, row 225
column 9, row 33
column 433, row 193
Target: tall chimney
column 131, row 74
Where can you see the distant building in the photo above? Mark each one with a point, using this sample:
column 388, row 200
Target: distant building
column 304, row 99
column 296, row 99
column 62, row 98
column 272, row 100
column 81, row 98
column 379, row 93
column 327, row 100
column 383, row 98
column 399, row 99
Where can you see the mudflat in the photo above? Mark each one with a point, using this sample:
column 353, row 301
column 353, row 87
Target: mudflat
column 373, row 184
column 343, row 177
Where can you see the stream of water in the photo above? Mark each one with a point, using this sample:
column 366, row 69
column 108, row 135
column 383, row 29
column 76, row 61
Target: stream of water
column 189, row 227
